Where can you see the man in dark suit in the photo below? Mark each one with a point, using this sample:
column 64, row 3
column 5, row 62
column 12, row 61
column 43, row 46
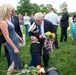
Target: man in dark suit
column 45, row 26
column 64, row 23
column 15, row 21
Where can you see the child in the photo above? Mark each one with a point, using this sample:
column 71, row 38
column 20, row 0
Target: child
column 35, row 45
column 74, row 32
column 48, row 43
column 35, row 52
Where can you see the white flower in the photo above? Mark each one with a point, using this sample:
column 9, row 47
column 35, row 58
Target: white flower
column 42, row 70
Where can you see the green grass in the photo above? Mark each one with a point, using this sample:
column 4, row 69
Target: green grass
column 64, row 59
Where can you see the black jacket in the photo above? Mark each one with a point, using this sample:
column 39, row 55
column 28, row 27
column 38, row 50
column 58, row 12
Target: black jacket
column 64, row 22
column 17, row 27
column 48, row 26
column 35, row 47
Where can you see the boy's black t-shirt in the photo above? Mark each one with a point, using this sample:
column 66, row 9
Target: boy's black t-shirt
column 35, row 47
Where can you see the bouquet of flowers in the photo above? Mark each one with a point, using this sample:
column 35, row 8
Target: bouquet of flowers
column 48, row 44
column 50, row 35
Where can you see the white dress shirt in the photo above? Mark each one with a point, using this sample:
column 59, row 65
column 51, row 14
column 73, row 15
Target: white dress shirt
column 42, row 29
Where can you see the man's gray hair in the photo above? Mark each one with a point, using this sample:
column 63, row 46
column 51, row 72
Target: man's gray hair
column 38, row 16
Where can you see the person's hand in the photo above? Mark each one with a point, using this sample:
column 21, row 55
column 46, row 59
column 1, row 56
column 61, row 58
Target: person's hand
column 33, row 38
column 21, row 40
column 16, row 51
column 40, row 36
column 4, row 44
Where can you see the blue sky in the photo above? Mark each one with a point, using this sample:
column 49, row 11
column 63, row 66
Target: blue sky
column 55, row 3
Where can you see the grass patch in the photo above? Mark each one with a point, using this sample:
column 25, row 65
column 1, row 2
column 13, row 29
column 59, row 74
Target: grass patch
column 64, row 59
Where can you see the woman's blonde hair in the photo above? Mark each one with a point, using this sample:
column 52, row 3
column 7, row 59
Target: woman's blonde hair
column 4, row 11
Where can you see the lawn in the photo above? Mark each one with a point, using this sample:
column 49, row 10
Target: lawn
column 64, row 59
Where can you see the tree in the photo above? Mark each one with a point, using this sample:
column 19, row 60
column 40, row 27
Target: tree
column 35, row 8
column 42, row 6
column 64, row 5
column 48, row 6
column 24, row 6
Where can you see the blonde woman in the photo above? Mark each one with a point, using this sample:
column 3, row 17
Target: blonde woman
column 7, row 29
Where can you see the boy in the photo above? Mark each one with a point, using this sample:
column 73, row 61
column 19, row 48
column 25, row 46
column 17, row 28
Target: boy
column 35, row 52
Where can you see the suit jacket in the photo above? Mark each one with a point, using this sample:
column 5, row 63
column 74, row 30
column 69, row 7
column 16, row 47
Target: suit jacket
column 48, row 26
column 64, row 20
column 17, row 27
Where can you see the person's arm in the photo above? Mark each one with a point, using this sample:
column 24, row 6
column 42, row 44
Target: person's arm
column 4, row 29
column 21, row 39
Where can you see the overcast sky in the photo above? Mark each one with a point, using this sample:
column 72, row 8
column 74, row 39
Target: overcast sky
column 55, row 3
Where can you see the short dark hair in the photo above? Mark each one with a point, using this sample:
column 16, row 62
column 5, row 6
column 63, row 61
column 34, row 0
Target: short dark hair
column 51, row 9
column 65, row 8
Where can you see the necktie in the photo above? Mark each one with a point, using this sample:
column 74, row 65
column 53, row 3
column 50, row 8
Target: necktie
column 12, row 20
column 39, row 29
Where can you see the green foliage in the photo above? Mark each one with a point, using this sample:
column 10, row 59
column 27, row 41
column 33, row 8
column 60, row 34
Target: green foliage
column 35, row 8
column 48, row 6
column 26, row 6
column 42, row 6
column 71, row 14
column 45, row 8
column 64, row 59
column 63, row 5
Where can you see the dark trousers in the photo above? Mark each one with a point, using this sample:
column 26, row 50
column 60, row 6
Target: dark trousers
column 7, row 56
column 63, row 34
column 56, row 40
column 26, row 28
column 45, row 57
column 35, row 59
